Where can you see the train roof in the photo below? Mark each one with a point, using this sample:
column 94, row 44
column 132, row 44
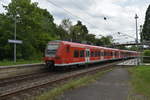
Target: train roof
column 86, row 45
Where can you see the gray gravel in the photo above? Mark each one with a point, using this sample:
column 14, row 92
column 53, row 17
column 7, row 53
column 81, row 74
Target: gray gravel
column 111, row 86
column 11, row 72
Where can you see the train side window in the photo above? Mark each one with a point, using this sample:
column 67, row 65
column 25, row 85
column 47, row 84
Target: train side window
column 105, row 53
column 92, row 54
column 82, row 53
column 95, row 53
column 108, row 53
column 102, row 53
column 117, row 54
column 68, row 48
column 111, row 54
column 98, row 53
column 76, row 53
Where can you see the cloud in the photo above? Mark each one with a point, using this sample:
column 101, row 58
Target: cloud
column 119, row 13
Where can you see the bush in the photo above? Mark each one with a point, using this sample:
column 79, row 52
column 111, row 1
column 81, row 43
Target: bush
column 147, row 53
column 146, row 59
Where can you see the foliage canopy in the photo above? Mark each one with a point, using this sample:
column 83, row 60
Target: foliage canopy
column 35, row 27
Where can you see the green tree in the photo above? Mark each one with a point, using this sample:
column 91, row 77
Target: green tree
column 90, row 38
column 63, row 34
column 146, row 52
column 66, row 25
column 108, row 40
column 146, row 27
column 133, row 48
column 64, row 29
column 123, row 47
column 35, row 26
column 79, row 32
column 6, row 32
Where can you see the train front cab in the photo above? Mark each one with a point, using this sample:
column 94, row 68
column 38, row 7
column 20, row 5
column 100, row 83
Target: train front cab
column 52, row 54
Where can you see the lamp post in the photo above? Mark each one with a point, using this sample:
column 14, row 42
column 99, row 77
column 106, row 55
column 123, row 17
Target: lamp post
column 136, row 17
column 136, row 40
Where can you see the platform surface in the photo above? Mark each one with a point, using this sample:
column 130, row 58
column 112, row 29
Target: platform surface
column 111, row 86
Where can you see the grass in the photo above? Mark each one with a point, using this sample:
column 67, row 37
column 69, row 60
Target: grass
column 6, row 62
column 51, row 95
column 140, row 80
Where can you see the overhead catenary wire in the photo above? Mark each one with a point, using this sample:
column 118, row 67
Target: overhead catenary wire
column 77, row 16
column 139, row 12
column 70, row 13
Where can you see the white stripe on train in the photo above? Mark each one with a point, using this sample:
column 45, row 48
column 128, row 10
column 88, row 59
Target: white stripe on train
column 84, row 62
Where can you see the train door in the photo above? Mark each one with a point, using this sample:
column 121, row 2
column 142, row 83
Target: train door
column 113, row 54
column 87, row 55
column 119, row 54
column 102, row 54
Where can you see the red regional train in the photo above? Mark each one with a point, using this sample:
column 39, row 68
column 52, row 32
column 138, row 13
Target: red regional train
column 64, row 53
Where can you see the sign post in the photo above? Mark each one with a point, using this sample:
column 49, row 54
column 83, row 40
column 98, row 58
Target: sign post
column 15, row 42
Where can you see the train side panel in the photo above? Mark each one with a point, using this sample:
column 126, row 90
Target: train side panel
column 68, row 53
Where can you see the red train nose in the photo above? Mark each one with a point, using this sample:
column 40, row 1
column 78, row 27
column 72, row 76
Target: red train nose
column 57, row 57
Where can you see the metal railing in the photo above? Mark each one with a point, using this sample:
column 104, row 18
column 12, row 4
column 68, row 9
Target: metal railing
column 146, row 59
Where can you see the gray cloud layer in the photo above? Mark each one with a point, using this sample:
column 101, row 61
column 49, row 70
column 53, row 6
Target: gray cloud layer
column 120, row 14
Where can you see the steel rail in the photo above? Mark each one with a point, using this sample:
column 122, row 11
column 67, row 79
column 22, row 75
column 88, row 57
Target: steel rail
column 20, row 78
column 102, row 67
column 21, row 66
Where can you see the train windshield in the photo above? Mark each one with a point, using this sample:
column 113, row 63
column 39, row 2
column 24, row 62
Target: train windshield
column 51, row 50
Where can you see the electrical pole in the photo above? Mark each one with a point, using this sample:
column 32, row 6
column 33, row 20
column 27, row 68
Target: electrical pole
column 142, row 44
column 15, row 39
column 136, row 40
column 136, row 17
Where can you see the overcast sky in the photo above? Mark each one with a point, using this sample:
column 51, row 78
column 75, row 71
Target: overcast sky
column 119, row 13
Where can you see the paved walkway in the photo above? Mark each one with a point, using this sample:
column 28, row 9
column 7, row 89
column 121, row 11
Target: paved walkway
column 129, row 62
column 111, row 86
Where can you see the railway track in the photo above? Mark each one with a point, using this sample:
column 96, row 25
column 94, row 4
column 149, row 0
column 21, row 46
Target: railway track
column 55, row 78
column 21, row 78
column 21, row 65
column 20, row 70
